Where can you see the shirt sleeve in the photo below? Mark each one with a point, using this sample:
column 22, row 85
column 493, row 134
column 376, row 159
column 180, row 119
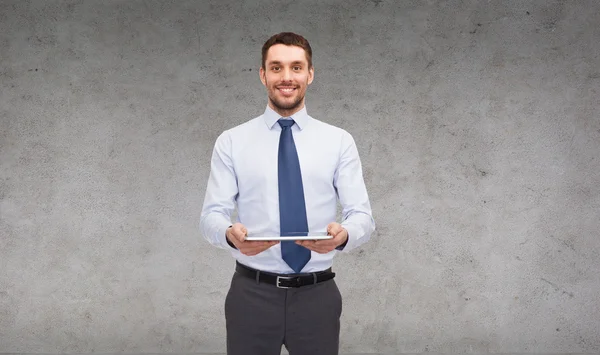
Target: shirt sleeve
column 352, row 193
column 220, row 196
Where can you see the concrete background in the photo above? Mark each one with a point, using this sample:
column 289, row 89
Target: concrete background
column 478, row 127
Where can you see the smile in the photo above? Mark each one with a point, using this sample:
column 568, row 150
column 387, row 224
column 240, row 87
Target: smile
column 286, row 90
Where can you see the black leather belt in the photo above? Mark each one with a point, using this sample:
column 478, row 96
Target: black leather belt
column 284, row 280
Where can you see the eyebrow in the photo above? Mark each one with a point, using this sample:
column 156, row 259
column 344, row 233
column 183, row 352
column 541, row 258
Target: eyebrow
column 278, row 62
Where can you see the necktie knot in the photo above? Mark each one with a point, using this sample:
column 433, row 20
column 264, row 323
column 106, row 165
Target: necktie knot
column 285, row 123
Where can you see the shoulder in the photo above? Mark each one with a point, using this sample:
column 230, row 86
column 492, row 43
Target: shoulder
column 332, row 131
column 241, row 130
column 322, row 125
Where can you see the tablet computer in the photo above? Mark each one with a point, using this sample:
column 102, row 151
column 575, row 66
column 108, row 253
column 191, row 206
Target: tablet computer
column 290, row 236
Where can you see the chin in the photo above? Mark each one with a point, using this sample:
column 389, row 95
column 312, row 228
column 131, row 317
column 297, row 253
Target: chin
column 287, row 105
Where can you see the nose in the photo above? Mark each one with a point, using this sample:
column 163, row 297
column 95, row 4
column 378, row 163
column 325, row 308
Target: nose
column 286, row 74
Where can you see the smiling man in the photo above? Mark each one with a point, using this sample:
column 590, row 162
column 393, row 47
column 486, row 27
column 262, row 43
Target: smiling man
column 285, row 171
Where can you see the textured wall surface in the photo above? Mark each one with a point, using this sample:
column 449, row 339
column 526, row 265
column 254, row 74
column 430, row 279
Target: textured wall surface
column 477, row 123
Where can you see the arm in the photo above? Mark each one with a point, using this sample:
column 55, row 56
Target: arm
column 356, row 209
column 221, row 192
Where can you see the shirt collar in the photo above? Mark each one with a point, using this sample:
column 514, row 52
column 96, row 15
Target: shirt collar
column 271, row 117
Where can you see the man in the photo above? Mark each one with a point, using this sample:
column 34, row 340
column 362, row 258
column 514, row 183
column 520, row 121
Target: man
column 285, row 171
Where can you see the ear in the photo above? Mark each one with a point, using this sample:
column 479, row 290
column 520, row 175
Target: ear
column 311, row 75
column 261, row 73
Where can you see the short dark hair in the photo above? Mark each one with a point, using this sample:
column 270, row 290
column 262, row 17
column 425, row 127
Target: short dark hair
column 289, row 39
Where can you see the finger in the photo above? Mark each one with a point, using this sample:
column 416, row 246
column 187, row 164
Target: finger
column 254, row 251
column 256, row 246
column 324, row 243
column 325, row 246
column 251, row 252
column 331, row 241
column 320, row 250
column 319, row 246
column 316, row 246
column 239, row 237
column 335, row 229
column 306, row 243
column 332, row 227
column 242, row 234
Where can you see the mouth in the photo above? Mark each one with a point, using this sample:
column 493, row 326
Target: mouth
column 286, row 90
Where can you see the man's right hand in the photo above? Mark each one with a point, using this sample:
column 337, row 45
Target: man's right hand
column 237, row 233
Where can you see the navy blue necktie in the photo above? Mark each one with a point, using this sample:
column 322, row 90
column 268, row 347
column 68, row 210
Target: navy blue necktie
column 292, row 209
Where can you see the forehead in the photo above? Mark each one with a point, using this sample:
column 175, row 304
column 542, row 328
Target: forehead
column 286, row 54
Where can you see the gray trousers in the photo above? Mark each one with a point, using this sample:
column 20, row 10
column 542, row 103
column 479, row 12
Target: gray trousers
column 261, row 318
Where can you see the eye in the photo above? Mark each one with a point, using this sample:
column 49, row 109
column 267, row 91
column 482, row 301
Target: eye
column 297, row 67
column 275, row 68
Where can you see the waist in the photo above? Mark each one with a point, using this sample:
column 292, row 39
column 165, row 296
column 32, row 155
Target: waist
column 285, row 280
column 271, row 261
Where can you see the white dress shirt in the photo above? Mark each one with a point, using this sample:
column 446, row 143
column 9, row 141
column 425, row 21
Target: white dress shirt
column 244, row 172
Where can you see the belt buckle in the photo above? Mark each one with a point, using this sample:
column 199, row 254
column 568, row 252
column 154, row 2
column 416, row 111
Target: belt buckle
column 278, row 283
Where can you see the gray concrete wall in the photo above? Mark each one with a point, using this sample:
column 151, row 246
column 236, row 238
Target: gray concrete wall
column 477, row 123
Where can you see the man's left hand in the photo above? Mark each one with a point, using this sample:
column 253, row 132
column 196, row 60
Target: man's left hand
column 339, row 233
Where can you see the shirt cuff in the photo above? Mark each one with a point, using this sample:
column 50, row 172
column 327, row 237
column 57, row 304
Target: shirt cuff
column 343, row 245
column 352, row 240
column 224, row 241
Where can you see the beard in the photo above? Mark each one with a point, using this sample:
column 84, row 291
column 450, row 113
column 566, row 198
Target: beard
column 286, row 105
column 283, row 105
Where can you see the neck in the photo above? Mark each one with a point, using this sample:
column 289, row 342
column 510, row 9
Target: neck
column 286, row 112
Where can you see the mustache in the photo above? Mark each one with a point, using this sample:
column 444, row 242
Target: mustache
column 287, row 84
